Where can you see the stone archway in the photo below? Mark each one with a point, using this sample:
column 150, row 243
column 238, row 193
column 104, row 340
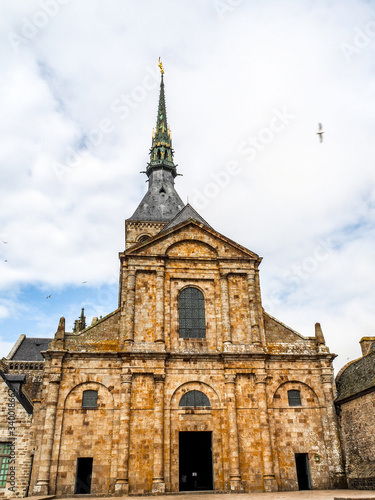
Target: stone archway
column 196, row 446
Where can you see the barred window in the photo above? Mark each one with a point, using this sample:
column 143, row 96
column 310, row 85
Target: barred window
column 294, row 398
column 4, row 463
column 194, row 398
column 192, row 315
column 90, row 399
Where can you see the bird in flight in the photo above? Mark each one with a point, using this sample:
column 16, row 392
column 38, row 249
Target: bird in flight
column 5, row 242
column 320, row 132
column 84, row 281
column 48, row 296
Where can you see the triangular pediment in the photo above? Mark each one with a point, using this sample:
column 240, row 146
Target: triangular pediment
column 192, row 239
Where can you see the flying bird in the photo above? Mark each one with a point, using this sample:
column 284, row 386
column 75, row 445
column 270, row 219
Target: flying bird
column 48, row 296
column 5, row 242
column 320, row 132
column 84, row 281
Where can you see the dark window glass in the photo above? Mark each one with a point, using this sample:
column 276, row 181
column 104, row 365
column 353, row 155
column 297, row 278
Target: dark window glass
column 90, row 399
column 294, row 398
column 192, row 316
column 194, row 398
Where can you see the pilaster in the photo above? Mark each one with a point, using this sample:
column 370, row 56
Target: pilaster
column 159, row 313
column 122, row 481
column 331, row 431
column 234, row 458
column 42, row 486
column 225, row 312
column 158, row 484
column 127, row 315
column 254, row 312
column 269, row 480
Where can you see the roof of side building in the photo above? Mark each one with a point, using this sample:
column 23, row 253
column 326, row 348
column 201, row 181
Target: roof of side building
column 30, row 349
column 357, row 377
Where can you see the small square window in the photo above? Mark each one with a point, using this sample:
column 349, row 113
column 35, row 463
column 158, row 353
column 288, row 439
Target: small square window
column 90, row 399
column 294, row 398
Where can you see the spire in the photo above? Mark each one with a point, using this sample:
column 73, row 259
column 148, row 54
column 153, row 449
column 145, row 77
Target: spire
column 80, row 324
column 161, row 152
column 161, row 202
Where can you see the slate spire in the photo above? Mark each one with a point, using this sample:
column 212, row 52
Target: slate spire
column 161, row 152
column 161, row 202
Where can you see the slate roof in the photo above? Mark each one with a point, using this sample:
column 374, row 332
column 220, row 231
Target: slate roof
column 357, row 377
column 161, row 202
column 30, row 349
column 186, row 213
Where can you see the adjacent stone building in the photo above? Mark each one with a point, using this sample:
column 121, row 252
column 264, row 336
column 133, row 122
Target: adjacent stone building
column 356, row 409
column 15, row 436
column 189, row 385
column 21, row 374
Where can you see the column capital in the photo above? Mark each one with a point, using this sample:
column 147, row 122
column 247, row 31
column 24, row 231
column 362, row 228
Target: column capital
column 326, row 378
column 230, row 378
column 261, row 378
column 126, row 378
column 159, row 378
column 55, row 378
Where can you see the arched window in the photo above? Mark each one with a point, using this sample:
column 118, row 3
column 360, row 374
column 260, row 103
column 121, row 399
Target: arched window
column 192, row 316
column 90, row 399
column 194, row 398
column 294, row 398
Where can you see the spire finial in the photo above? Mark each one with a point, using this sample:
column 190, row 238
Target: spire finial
column 161, row 150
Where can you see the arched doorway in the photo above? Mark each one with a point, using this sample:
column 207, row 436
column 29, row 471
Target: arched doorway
column 195, row 449
column 196, row 446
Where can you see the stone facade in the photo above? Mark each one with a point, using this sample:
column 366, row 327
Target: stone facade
column 189, row 384
column 15, row 429
column 140, row 367
column 356, row 409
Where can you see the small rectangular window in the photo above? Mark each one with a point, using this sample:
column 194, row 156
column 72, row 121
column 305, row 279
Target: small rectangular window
column 294, row 398
column 4, row 463
column 90, row 399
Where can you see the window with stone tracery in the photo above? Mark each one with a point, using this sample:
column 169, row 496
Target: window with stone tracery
column 192, row 320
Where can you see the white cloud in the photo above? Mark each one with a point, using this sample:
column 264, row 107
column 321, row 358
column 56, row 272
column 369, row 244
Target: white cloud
column 70, row 159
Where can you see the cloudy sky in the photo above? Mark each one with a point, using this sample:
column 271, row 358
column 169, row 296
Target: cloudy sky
column 247, row 83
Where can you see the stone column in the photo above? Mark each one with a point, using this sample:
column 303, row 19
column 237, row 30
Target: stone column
column 130, row 307
column 225, row 315
column 159, row 313
column 269, row 480
column 158, row 484
column 234, row 456
column 42, row 484
column 254, row 316
column 122, row 481
column 258, row 305
column 336, row 467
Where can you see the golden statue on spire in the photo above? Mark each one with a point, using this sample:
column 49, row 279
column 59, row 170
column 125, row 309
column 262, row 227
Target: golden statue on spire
column 161, row 67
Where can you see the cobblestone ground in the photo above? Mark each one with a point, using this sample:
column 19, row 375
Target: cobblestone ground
column 286, row 495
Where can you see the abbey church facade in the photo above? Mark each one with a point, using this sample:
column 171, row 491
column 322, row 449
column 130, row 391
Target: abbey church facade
column 189, row 385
